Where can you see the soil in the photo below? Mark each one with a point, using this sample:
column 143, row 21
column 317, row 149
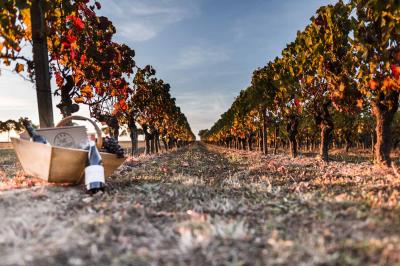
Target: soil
column 205, row 205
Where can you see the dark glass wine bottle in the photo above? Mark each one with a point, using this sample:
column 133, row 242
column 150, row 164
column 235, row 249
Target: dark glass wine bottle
column 33, row 134
column 94, row 171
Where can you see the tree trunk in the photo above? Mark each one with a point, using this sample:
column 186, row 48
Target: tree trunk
column 348, row 145
column 152, row 146
column 134, row 140
column 307, row 144
column 299, row 143
column 133, row 135
column 146, row 140
column 41, row 64
column 373, row 143
column 292, row 130
column 326, row 136
column 159, row 143
column 326, row 124
column 276, row 139
column 264, row 133
column 384, row 114
column 169, row 143
column 165, row 144
column 249, row 142
column 348, row 141
column 396, row 144
column 293, row 147
column 156, row 142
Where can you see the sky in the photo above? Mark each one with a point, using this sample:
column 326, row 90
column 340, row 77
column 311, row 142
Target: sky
column 206, row 49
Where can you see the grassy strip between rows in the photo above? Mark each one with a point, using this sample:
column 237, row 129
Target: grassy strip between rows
column 208, row 205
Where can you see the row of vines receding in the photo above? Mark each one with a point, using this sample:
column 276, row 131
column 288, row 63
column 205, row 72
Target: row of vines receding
column 336, row 85
column 91, row 69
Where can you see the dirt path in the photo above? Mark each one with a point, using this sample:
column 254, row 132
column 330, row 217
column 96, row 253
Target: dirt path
column 206, row 205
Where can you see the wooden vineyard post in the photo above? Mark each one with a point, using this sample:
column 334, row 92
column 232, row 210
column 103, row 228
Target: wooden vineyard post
column 41, row 64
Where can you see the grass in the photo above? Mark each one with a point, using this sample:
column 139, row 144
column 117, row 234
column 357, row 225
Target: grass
column 9, row 165
column 207, row 205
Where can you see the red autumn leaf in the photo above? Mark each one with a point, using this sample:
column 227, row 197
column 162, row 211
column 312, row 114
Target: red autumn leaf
column 122, row 105
column 66, row 44
column 373, row 84
column 78, row 23
column 83, row 59
column 69, row 18
column 55, row 57
column 396, row 71
column 72, row 53
column 98, row 5
column 71, row 39
column 297, row 102
column 59, row 79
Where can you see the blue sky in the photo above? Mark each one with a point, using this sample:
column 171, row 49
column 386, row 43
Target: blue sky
column 206, row 49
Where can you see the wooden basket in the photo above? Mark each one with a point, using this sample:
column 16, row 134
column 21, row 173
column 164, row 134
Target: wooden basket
column 59, row 164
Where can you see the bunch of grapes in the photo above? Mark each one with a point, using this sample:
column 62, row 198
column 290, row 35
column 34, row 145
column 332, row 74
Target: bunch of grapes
column 111, row 145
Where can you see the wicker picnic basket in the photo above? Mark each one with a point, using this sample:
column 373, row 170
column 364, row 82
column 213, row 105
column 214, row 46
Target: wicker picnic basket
column 61, row 164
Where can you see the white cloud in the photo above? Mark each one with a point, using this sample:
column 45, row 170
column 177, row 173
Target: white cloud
column 142, row 20
column 136, row 32
column 200, row 55
column 177, row 8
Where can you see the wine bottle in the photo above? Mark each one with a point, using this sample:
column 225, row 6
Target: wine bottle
column 33, row 134
column 94, row 171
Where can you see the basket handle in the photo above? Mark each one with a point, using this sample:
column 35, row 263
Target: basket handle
column 67, row 120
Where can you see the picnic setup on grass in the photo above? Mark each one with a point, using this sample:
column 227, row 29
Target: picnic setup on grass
column 296, row 106
column 65, row 155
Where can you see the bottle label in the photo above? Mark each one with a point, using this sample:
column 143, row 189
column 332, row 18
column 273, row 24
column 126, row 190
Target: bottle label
column 94, row 173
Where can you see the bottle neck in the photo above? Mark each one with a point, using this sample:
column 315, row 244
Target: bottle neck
column 31, row 131
column 94, row 157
